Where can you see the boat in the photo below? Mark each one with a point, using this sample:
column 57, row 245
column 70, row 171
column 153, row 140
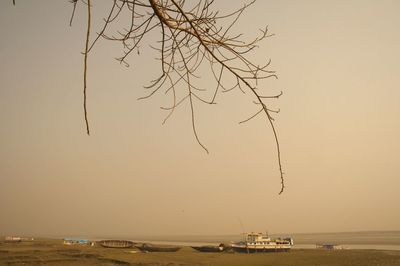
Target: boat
column 257, row 242
column 328, row 246
column 153, row 248
column 12, row 239
column 219, row 248
column 76, row 241
column 116, row 243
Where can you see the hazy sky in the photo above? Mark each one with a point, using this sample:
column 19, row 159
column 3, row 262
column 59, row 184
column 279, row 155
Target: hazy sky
column 339, row 68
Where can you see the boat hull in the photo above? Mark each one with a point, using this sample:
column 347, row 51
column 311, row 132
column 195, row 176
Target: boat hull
column 243, row 249
column 148, row 248
column 210, row 249
column 116, row 243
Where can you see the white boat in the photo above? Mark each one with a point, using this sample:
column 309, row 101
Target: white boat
column 257, row 242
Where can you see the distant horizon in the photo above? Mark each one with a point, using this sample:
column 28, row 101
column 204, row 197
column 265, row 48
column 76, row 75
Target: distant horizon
column 196, row 235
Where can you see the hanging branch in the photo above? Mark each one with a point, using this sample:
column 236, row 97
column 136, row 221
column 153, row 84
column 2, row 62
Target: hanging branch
column 85, row 66
column 191, row 35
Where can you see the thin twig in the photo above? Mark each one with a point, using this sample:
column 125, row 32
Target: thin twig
column 85, row 67
column 73, row 11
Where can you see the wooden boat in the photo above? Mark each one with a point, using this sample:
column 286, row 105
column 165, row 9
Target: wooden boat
column 116, row 243
column 219, row 248
column 153, row 248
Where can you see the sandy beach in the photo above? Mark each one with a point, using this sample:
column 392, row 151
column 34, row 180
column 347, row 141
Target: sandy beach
column 53, row 252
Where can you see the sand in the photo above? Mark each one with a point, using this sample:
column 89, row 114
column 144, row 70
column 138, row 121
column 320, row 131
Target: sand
column 53, row 252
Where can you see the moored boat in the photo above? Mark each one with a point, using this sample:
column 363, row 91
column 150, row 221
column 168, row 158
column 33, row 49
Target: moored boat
column 257, row 242
column 116, row 243
column 219, row 248
column 328, row 246
column 153, row 248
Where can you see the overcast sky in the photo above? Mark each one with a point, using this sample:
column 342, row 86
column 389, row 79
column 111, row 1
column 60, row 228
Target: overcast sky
column 339, row 127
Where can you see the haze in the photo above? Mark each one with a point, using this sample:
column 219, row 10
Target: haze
column 339, row 128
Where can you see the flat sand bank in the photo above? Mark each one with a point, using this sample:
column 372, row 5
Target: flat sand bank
column 53, row 252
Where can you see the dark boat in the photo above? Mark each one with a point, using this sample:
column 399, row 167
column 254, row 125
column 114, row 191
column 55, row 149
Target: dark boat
column 219, row 248
column 153, row 248
column 116, row 243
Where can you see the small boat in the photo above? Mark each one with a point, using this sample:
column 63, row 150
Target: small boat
column 12, row 239
column 219, row 248
column 328, row 246
column 76, row 241
column 153, row 248
column 116, row 243
column 257, row 242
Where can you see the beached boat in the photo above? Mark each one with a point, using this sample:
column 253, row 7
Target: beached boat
column 116, row 243
column 257, row 242
column 328, row 246
column 76, row 241
column 219, row 248
column 153, row 248
column 12, row 239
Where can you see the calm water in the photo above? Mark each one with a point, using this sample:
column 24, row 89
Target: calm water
column 296, row 246
column 350, row 246
column 385, row 240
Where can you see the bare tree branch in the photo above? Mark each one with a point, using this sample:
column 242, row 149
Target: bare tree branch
column 192, row 34
column 85, row 65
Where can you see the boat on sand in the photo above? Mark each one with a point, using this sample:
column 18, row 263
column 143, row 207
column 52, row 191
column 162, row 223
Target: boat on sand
column 219, row 248
column 116, row 243
column 257, row 242
column 153, row 248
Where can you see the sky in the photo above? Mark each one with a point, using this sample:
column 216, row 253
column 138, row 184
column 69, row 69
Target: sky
column 339, row 128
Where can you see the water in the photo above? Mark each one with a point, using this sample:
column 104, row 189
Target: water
column 353, row 246
column 377, row 240
column 353, row 240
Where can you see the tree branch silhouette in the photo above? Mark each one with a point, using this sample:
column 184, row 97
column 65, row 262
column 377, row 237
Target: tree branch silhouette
column 191, row 35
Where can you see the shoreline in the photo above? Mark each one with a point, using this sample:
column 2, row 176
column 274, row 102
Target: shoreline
column 53, row 252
